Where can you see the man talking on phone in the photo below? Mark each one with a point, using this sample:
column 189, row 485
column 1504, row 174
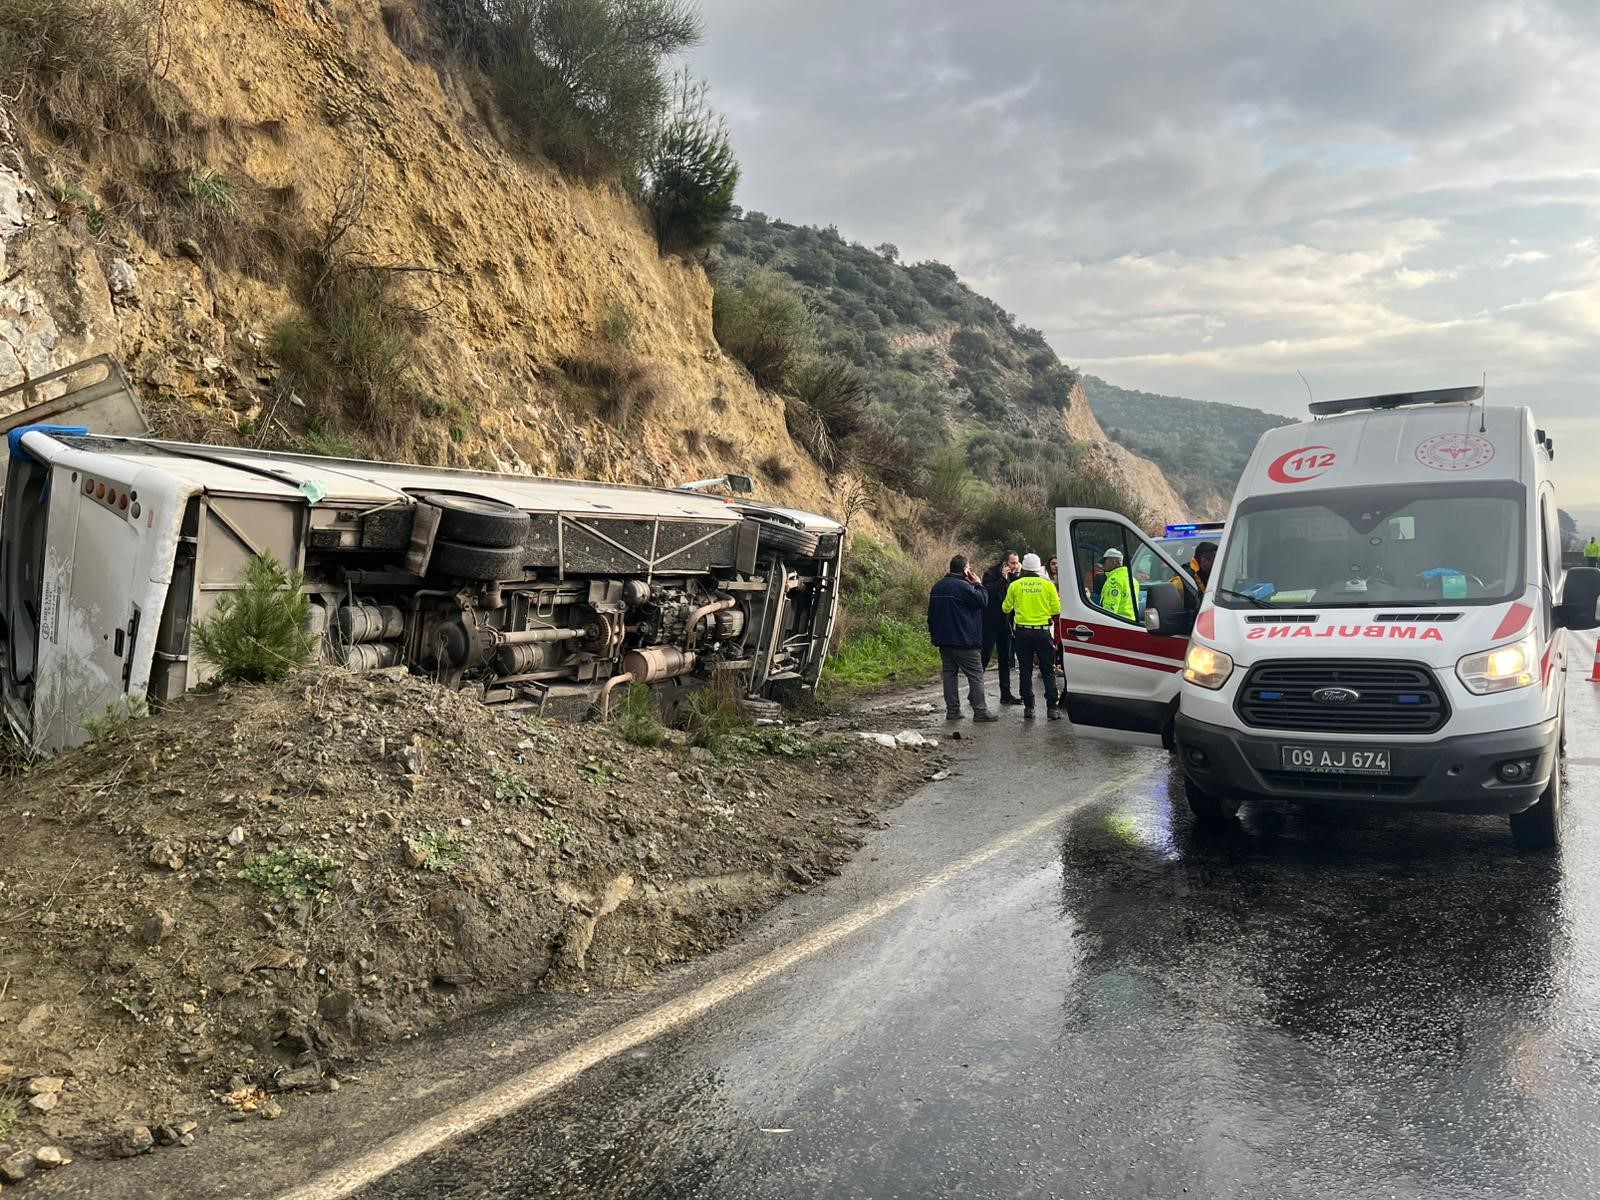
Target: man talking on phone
column 955, row 624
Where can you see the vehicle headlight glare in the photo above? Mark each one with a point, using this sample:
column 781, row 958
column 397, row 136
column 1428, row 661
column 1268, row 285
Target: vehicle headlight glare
column 1503, row 669
column 1206, row 666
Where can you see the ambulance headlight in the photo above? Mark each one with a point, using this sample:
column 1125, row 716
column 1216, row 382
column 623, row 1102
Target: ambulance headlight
column 1504, row 669
column 1206, row 666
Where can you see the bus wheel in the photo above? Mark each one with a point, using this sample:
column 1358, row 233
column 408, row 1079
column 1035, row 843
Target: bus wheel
column 1208, row 808
column 1539, row 827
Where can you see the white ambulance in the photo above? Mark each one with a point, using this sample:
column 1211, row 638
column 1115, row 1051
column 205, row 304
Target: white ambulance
column 1385, row 622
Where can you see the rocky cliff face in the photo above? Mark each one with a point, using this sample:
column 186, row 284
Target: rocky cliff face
column 509, row 268
column 1141, row 476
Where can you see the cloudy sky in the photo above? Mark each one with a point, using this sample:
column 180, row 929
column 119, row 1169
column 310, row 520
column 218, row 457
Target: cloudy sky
column 1202, row 196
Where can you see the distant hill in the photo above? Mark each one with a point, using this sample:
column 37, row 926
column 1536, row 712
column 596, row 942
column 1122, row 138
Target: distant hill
column 943, row 365
column 1203, row 445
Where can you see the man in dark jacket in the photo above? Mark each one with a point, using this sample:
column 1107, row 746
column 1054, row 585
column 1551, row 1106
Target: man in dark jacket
column 996, row 625
column 955, row 623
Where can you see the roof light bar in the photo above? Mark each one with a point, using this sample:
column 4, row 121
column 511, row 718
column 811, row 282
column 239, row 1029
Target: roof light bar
column 1460, row 395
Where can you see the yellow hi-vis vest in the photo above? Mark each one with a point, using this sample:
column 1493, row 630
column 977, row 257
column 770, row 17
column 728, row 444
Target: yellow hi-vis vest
column 1118, row 594
column 1033, row 600
column 1592, row 550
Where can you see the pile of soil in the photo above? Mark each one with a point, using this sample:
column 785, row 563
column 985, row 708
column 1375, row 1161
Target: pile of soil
column 230, row 900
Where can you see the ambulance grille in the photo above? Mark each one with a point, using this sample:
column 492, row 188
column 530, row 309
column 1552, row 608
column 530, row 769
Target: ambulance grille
column 1393, row 697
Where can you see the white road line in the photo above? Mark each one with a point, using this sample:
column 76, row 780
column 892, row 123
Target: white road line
column 539, row 1081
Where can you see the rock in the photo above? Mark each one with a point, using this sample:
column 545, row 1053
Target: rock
column 130, row 1141
column 40, row 1084
column 301, row 1079
column 236, row 836
column 336, row 1006
column 417, row 855
column 270, row 1110
column 123, row 280
column 163, row 855
column 158, row 927
column 18, row 1166
column 6, row 1071
column 296, row 400
column 33, row 1020
column 190, row 248
column 465, row 822
column 45, row 1102
column 51, row 1157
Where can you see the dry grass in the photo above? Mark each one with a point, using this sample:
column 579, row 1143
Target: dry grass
column 87, row 70
column 352, row 353
column 624, row 387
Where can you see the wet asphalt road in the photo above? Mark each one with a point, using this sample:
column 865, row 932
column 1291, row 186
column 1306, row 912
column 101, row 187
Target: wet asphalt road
column 1322, row 1004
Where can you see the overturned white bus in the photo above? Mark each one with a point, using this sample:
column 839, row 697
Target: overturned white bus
column 526, row 590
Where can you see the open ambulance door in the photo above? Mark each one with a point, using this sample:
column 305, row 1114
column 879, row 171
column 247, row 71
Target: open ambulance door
column 1122, row 680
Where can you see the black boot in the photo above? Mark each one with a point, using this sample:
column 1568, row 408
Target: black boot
column 1027, row 712
column 1053, row 714
column 1012, row 700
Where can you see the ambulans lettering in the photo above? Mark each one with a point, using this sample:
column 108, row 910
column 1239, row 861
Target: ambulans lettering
column 1403, row 633
column 1302, row 465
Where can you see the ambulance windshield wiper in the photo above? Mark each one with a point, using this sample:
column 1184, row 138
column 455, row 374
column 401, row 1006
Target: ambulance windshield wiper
column 1248, row 598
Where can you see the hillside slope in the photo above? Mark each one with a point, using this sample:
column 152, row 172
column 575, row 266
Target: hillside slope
column 945, row 365
column 501, row 268
column 1202, row 445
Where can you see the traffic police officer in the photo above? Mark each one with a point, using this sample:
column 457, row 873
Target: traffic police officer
column 1118, row 595
column 1033, row 604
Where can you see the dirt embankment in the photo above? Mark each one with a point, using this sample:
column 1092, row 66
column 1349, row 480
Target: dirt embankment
column 211, row 908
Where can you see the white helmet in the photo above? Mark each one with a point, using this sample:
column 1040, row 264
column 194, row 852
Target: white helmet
column 1113, row 553
column 1030, row 562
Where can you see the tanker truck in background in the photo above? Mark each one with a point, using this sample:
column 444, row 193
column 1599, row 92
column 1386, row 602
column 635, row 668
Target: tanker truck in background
column 528, row 591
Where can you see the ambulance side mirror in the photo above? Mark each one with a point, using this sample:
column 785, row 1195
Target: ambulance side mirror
column 1580, row 600
column 1167, row 612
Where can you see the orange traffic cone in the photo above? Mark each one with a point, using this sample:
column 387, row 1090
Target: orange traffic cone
column 1594, row 675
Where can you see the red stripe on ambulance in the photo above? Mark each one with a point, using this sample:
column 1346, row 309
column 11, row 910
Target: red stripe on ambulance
column 1515, row 621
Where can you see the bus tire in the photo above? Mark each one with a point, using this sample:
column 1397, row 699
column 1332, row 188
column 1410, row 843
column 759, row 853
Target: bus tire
column 779, row 540
column 477, row 562
column 478, row 520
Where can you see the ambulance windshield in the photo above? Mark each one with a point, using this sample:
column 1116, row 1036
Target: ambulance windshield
column 1376, row 547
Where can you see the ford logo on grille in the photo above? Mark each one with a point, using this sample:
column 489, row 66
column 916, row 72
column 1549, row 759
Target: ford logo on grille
column 1335, row 695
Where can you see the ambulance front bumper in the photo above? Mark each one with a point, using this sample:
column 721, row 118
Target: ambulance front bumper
column 1461, row 774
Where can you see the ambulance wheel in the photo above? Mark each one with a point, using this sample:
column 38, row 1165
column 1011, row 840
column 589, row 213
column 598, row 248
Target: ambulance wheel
column 1539, row 827
column 478, row 520
column 1208, row 808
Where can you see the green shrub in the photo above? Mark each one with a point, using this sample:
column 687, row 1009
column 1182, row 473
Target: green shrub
column 580, row 80
column 714, row 716
column 692, row 172
column 353, row 355
column 258, row 634
column 971, row 349
column 949, row 486
column 85, row 68
column 763, row 322
column 835, row 391
column 636, row 720
column 213, row 190
column 438, row 851
column 293, row 874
